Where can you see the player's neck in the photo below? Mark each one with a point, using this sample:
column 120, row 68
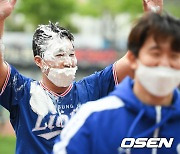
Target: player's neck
column 52, row 87
column 150, row 99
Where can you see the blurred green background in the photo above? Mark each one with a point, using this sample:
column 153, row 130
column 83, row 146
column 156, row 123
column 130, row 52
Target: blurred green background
column 7, row 144
column 30, row 13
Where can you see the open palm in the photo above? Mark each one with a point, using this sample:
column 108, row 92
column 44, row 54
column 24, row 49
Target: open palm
column 6, row 8
column 148, row 4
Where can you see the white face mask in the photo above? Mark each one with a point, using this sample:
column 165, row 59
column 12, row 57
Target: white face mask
column 159, row 81
column 62, row 77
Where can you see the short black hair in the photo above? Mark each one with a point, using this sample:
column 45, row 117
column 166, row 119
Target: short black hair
column 43, row 34
column 161, row 27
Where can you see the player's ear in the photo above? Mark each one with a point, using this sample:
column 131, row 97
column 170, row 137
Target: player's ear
column 132, row 60
column 38, row 61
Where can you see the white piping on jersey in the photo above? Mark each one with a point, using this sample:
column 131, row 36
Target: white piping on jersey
column 115, row 74
column 59, row 95
column 6, row 80
column 156, row 132
column 79, row 119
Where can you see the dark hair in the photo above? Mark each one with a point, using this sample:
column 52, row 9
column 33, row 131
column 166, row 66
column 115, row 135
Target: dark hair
column 44, row 33
column 161, row 27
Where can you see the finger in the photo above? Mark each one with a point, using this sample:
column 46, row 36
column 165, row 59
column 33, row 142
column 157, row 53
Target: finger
column 146, row 1
column 13, row 2
column 145, row 5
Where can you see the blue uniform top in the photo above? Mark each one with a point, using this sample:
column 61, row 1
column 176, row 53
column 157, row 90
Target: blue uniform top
column 100, row 126
column 38, row 114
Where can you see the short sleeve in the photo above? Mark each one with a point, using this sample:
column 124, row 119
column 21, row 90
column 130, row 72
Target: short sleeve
column 100, row 83
column 14, row 88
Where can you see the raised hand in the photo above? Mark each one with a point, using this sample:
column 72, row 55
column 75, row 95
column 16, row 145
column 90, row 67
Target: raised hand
column 153, row 6
column 6, row 8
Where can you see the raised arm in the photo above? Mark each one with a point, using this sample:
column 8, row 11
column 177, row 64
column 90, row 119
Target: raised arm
column 122, row 65
column 6, row 8
column 123, row 69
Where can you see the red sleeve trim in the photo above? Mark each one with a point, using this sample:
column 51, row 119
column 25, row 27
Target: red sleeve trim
column 115, row 75
column 59, row 95
column 6, row 80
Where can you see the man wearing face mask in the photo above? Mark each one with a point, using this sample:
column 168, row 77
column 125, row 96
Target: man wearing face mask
column 146, row 107
column 39, row 110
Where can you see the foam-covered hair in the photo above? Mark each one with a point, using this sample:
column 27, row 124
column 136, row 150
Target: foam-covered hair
column 44, row 33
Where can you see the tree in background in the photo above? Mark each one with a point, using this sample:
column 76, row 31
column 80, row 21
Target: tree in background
column 107, row 11
column 133, row 7
column 114, row 7
column 41, row 11
column 172, row 7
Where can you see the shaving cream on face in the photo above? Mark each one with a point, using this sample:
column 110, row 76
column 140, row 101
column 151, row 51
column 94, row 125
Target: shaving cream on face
column 51, row 43
column 60, row 63
column 62, row 77
column 60, row 50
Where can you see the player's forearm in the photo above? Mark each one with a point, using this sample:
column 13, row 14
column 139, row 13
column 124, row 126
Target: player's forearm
column 3, row 68
column 1, row 53
column 1, row 42
column 123, row 69
column 1, row 28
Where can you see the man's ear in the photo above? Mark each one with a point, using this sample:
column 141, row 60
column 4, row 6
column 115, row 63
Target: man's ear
column 132, row 60
column 38, row 61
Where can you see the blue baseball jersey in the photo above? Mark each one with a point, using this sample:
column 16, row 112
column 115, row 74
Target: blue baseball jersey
column 38, row 115
column 100, row 126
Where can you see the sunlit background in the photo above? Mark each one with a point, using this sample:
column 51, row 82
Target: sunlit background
column 100, row 28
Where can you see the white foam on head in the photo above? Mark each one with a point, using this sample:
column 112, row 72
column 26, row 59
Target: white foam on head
column 56, row 44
